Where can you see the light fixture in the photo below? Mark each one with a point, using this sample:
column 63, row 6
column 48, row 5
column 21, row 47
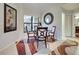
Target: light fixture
column 76, row 17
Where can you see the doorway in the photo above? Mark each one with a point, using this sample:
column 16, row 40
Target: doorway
column 76, row 24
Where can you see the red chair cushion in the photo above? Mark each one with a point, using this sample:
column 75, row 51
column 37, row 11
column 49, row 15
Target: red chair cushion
column 32, row 48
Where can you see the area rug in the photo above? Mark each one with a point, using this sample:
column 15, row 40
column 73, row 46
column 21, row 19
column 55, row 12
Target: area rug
column 66, row 46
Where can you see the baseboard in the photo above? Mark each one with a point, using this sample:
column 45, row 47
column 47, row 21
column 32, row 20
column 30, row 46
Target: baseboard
column 15, row 42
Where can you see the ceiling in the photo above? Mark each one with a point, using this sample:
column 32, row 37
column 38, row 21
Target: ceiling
column 70, row 6
column 40, row 7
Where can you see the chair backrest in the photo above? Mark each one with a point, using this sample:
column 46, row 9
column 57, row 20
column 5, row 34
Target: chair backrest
column 42, row 31
column 53, row 29
column 52, row 32
column 31, row 36
column 32, row 47
column 21, row 48
column 35, row 28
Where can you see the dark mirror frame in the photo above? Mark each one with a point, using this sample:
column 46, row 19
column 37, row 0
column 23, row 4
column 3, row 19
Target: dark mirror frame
column 52, row 17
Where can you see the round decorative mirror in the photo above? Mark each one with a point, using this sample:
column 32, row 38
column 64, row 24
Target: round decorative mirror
column 48, row 18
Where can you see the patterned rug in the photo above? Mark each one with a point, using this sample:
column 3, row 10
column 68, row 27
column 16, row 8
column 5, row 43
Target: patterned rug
column 67, row 47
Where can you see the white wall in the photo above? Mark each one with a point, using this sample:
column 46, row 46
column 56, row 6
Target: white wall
column 30, row 12
column 8, row 38
column 63, row 25
column 57, row 12
column 68, row 24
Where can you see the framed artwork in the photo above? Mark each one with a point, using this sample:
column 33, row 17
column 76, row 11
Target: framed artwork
column 10, row 18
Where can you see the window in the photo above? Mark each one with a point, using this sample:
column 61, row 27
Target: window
column 30, row 22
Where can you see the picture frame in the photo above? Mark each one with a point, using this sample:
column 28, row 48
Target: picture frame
column 48, row 18
column 10, row 18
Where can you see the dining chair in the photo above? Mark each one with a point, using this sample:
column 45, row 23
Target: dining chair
column 51, row 33
column 41, row 35
column 31, row 36
column 35, row 28
column 20, row 48
column 32, row 47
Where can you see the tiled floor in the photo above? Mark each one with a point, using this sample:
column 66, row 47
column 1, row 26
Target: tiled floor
column 73, row 50
column 42, row 50
column 50, row 47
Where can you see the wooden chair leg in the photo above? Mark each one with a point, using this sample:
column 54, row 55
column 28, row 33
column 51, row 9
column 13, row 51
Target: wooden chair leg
column 37, row 43
column 28, row 40
column 45, row 43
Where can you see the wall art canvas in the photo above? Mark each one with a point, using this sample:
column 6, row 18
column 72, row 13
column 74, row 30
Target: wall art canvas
column 10, row 18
